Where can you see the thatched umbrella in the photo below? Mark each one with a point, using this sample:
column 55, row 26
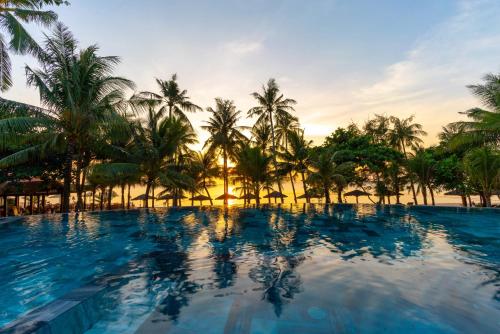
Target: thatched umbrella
column 200, row 198
column 248, row 196
column 357, row 193
column 167, row 197
column 226, row 196
column 139, row 198
column 275, row 194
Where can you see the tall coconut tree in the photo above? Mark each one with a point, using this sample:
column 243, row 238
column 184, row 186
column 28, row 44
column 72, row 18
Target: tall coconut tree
column 422, row 166
column 483, row 125
column 296, row 156
column 171, row 99
column 254, row 165
column 225, row 134
column 81, row 95
column 403, row 135
column 208, row 171
column 483, row 167
column 157, row 139
column 325, row 172
column 271, row 105
column 13, row 13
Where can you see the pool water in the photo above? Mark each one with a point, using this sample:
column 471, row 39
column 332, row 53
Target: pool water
column 294, row 269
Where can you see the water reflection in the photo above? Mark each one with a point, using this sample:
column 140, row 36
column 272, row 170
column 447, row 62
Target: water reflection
column 169, row 267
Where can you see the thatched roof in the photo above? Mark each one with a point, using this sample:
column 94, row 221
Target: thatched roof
column 33, row 186
column 200, row 198
column 226, row 196
column 275, row 194
column 357, row 193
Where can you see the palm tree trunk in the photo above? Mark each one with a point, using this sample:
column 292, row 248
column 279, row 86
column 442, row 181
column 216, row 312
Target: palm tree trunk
column 153, row 196
column 206, row 190
column 308, row 200
column 487, row 198
column 68, row 166
column 101, row 205
column 274, row 155
column 226, row 188
column 432, row 196
column 93, row 198
column 293, row 188
column 128, row 197
column 339, row 195
column 424, row 193
column 123, row 196
column 110, row 197
column 464, row 200
column 78, row 184
column 414, row 193
column 327, row 194
column 192, row 200
column 148, row 187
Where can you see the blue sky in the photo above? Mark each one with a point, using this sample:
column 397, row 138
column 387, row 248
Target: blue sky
column 342, row 61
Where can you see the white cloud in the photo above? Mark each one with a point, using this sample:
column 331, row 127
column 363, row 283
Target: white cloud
column 243, row 47
column 430, row 81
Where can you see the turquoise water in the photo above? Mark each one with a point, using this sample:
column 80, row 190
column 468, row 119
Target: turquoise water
column 293, row 269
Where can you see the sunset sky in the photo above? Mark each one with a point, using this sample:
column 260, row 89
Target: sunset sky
column 342, row 61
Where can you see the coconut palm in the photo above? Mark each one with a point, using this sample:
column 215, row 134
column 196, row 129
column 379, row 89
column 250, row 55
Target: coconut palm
column 406, row 134
column 12, row 13
column 171, row 99
column 483, row 167
column 157, row 140
column 225, row 134
column 208, row 170
column 261, row 135
column 254, row 165
column 296, row 158
column 272, row 105
column 80, row 96
column 422, row 166
column 285, row 125
column 325, row 173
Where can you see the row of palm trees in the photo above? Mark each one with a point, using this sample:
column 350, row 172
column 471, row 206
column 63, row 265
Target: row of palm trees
column 98, row 137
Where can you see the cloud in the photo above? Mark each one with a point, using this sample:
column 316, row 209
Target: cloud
column 243, row 47
column 429, row 81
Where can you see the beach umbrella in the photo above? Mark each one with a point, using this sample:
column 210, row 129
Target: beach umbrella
column 226, row 196
column 275, row 194
column 200, row 198
column 454, row 193
column 167, row 197
column 248, row 196
column 357, row 193
column 303, row 196
column 139, row 198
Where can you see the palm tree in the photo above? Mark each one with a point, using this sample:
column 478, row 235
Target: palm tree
column 207, row 170
column 483, row 167
column 157, row 140
column 272, row 105
column 325, row 172
column 296, row 156
column 225, row 134
column 285, row 125
column 261, row 135
column 378, row 128
column 171, row 99
column 12, row 13
column 405, row 134
column 422, row 166
column 254, row 165
column 81, row 98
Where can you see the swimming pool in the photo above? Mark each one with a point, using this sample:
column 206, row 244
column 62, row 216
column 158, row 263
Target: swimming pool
column 294, row 269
